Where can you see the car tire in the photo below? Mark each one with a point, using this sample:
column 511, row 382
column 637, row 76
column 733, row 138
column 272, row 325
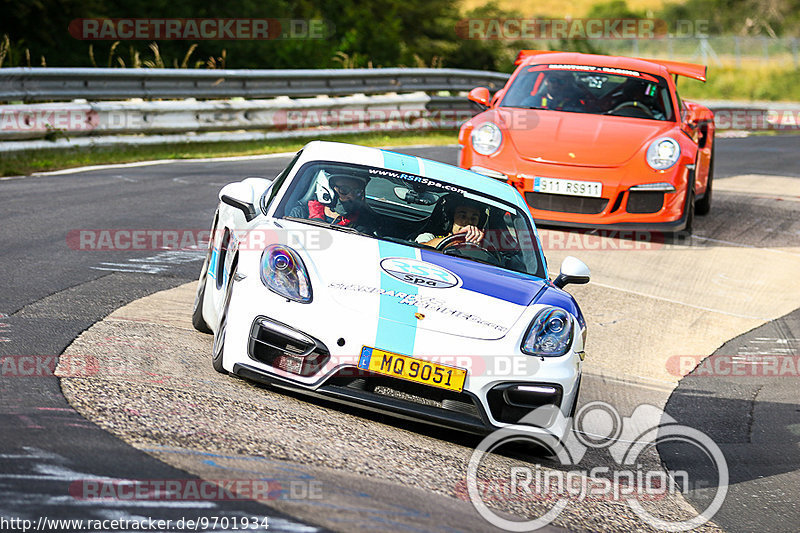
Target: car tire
column 198, row 321
column 218, row 349
column 683, row 235
column 703, row 205
column 691, row 207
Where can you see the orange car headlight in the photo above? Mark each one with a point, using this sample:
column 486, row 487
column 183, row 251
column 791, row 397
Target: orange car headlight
column 663, row 153
column 486, row 138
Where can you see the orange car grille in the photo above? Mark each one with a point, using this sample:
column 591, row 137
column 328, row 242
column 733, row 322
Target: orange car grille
column 645, row 201
column 565, row 204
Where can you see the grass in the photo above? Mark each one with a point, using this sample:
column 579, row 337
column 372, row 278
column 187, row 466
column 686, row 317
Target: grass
column 25, row 163
column 746, row 83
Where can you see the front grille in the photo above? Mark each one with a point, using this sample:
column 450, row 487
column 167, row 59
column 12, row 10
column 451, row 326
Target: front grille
column 644, row 201
column 281, row 346
column 405, row 391
column 565, row 204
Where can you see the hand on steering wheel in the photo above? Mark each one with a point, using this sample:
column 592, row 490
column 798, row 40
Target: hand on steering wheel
column 457, row 241
column 469, row 234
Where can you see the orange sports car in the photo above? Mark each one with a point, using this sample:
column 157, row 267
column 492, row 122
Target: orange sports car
column 596, row 141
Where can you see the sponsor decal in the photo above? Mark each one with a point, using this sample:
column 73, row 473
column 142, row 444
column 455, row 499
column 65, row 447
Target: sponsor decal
column 417, row 179
column 606, row 70
column 429, row 304
column 420, row 273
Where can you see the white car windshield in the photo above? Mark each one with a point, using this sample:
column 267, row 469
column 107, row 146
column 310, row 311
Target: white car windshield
column 413, row 210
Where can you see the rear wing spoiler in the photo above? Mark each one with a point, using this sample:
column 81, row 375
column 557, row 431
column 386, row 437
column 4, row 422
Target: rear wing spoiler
column 676, row 68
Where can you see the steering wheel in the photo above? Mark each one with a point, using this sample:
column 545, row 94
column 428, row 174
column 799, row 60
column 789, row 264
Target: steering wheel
column 452, row 241
column 632, row 104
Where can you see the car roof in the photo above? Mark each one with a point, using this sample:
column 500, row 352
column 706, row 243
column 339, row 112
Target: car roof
column 435, row 170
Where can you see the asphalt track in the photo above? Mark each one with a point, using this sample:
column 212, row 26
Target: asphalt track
column 53, row 292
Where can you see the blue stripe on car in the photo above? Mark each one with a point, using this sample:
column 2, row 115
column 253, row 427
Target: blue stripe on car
column 471, row 180
column 212, row 264
column 400, row 162
column 506, row 285
column 397, row 325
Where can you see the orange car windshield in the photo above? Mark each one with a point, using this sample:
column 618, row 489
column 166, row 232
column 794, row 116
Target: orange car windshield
column 597, row 92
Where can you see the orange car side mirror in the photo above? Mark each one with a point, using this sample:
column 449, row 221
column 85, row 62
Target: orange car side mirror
column 480, row 95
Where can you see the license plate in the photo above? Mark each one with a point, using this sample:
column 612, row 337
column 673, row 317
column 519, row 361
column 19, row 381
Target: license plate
column 412, row 369
column 593, row 189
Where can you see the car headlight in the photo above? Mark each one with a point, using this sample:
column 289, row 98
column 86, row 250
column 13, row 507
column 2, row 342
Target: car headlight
column 486, row 138
column 283, row 272
column 550, row 333
column 663, row 153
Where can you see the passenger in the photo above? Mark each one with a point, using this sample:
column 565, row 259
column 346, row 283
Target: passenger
column 340, row 200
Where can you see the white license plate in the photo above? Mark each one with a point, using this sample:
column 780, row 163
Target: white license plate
column 569, row 187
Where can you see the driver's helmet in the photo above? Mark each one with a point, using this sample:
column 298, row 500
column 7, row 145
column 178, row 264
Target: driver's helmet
column 559, row 79
column 324, row 191
column 334, row 179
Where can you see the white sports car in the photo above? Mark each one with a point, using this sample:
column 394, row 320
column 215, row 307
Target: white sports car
column 394, row 283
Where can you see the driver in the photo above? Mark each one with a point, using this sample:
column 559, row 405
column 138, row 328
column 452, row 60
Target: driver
column 558, row 91
column 461, row 216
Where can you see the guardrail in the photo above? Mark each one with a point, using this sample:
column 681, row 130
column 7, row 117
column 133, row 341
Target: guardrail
column 83, row 124
column 58, row 84
column 177, row 105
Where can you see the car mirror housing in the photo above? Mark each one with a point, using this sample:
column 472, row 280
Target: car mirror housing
column 480, row 95
column 240, row 196
column 573, row 270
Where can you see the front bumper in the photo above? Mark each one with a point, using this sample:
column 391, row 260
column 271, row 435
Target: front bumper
column 620, row 207
column 286, row 357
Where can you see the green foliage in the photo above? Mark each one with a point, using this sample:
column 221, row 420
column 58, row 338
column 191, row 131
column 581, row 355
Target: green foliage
column 614, row 9
column 381, row 33
column 729, row 83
